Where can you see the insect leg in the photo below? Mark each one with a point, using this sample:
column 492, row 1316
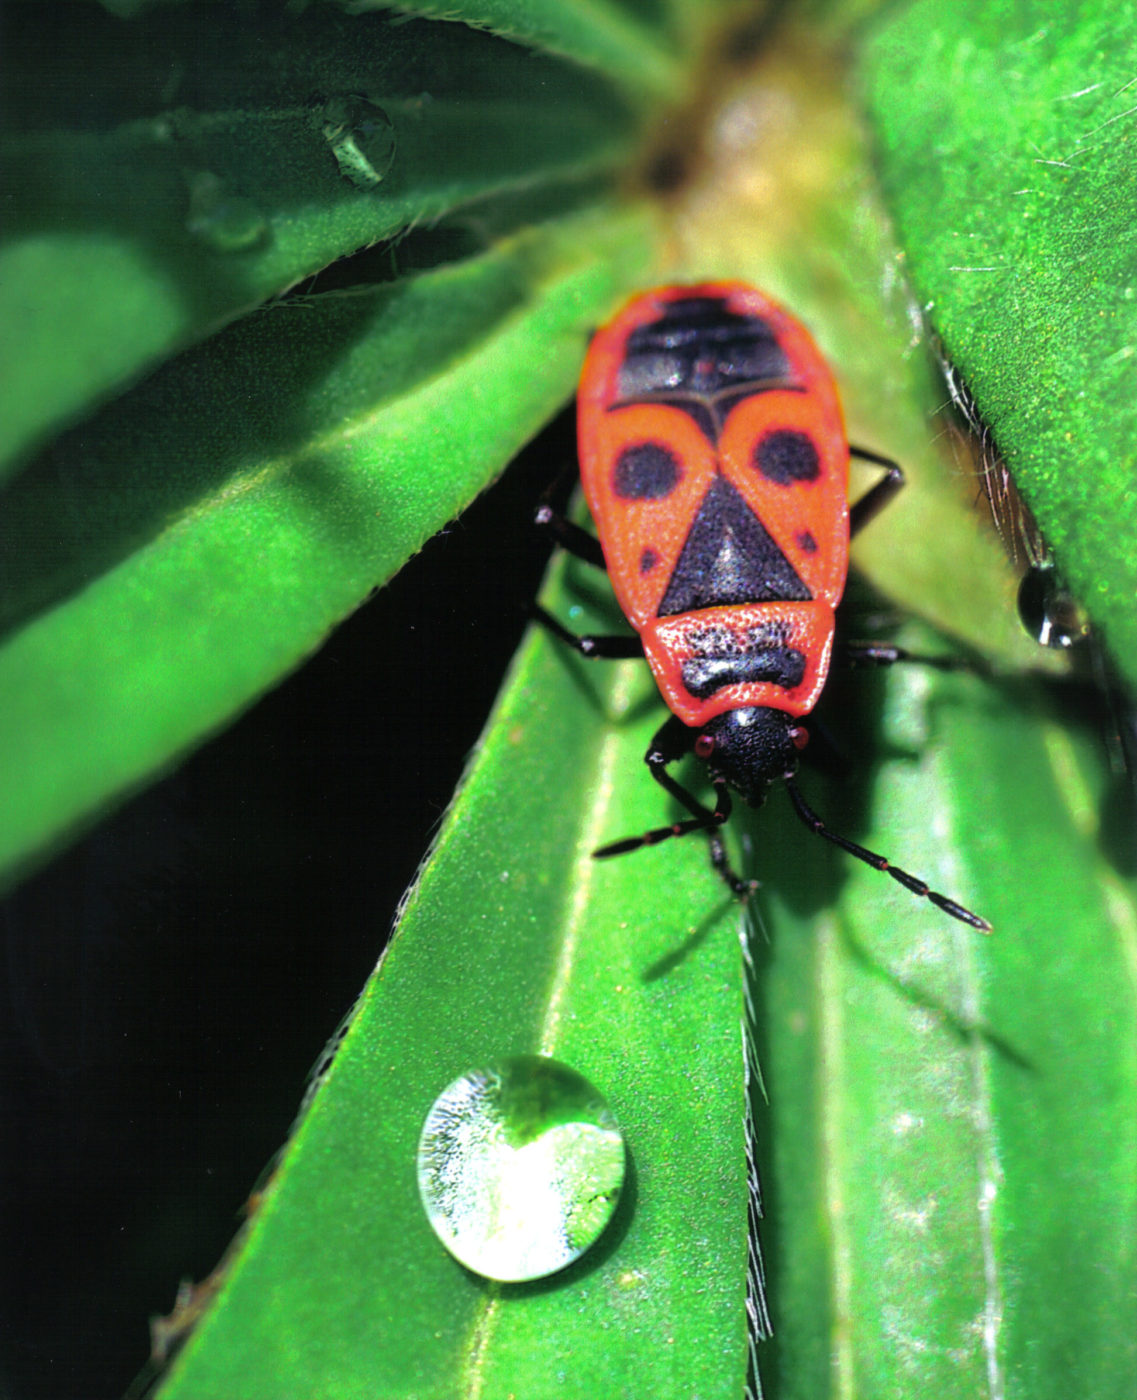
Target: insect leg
column 672, row 740
column 611, row 648
column 910, row 882
column 876, row 497
column 569, row 536
column 885, row 654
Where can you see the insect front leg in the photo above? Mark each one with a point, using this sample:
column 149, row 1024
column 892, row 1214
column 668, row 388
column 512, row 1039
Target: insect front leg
column 671, row 742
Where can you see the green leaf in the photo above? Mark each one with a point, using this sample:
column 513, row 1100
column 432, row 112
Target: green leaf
column 205, row 163
column 948, row 1144
column 790, row 203
column 952, row 1120
column 516, row 942
column 174, row 557
column 607, row 35
column 1006, row 136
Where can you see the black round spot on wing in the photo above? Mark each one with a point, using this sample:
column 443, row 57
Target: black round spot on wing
column 646, row 471
column 805, row 542
column 785, row 456
column 648, row 560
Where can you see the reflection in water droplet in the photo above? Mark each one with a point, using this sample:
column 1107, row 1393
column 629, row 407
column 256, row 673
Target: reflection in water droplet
column 362, row 138
column 520, row 1166
column 227, row 222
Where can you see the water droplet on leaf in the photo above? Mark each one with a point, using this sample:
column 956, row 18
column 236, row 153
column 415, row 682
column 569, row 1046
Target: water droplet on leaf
column 520, row 1166
column 226, row 222
column 362, row 139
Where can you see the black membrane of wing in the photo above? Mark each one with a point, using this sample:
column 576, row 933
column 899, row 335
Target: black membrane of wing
column 702, row 358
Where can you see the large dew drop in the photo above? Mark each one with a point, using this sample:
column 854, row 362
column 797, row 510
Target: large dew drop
column 520, row 1166
column 362, row 139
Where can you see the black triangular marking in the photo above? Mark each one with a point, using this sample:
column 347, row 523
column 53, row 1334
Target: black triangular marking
column 729, row 557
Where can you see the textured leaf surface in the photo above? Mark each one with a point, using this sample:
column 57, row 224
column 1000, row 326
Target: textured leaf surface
column 790, row 203
column 212, row 158
column 517, row 942
column 952, row 1117
column 616, row 38
column 171, row 559
column 1006, row 135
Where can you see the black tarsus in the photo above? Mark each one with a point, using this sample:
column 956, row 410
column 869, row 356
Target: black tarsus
column 673, row 739
column 813, row 822
column 876, row 497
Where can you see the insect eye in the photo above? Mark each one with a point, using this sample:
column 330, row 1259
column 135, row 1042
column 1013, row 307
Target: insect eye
column 799, row 736
column 704, row 746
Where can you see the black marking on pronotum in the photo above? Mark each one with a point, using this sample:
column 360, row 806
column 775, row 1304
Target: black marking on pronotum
column 702, row 358
column 725, row 656
column 729, row 557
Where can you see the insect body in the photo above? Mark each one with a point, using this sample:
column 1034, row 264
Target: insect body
column 715, row 462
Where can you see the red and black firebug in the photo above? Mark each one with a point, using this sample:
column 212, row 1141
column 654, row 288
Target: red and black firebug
column 714, row 459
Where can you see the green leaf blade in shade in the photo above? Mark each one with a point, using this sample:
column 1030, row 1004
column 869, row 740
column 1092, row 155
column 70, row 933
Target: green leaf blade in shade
column 616, row 39
column 515, row 941
column 146, row 206
column 173, row 558
column 1006, row 136
column 952, row 1119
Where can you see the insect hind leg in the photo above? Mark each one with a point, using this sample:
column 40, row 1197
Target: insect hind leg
column 614, row 648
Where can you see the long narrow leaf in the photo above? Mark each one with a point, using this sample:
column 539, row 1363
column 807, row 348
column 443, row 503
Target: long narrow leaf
column 1006, row 136
column 950, row 1135
column 207, row 162
column 171, row 560
column 607, row 35
column 517, row 942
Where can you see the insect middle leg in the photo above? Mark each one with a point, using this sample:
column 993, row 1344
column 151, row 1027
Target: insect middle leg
column 613, row 648
column 885, row 654
column 860, row 514
column 570, row 536
column 587, row 547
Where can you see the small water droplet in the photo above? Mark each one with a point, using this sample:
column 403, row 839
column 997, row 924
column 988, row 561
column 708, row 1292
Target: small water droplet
column 227, row 222
column 362, row 138
column 520, row 1166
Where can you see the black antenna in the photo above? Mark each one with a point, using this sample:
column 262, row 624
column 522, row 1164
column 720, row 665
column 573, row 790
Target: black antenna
column 810, row 818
